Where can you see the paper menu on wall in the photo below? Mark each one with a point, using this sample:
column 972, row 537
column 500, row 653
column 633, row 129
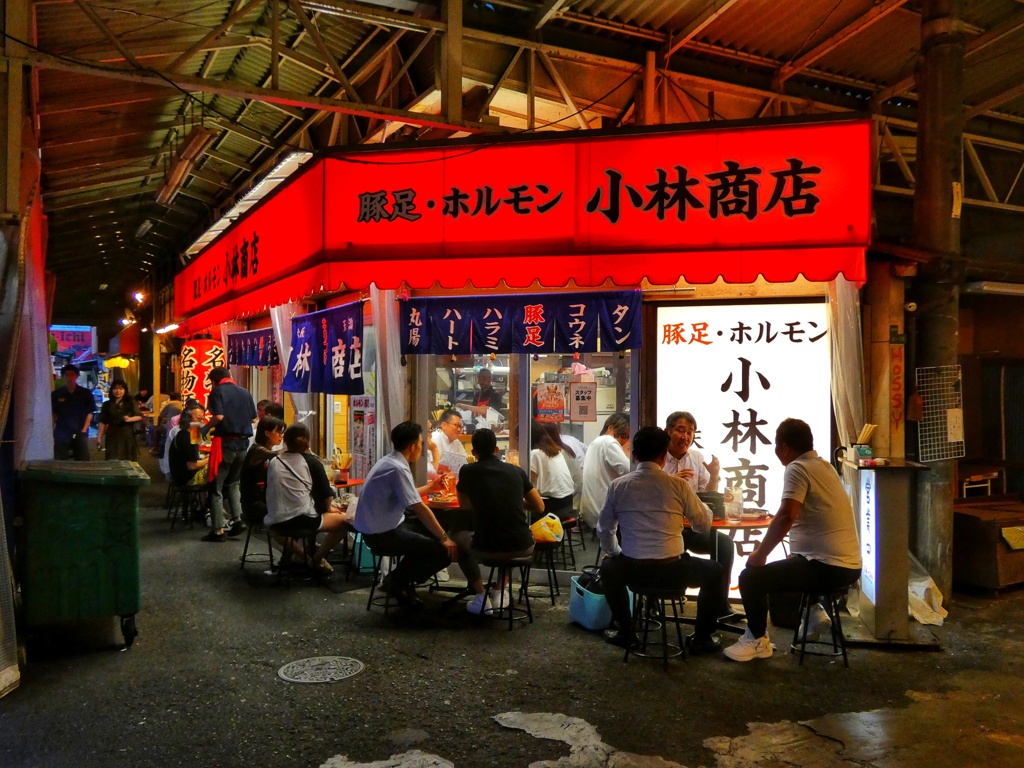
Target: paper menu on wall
column 955, row 425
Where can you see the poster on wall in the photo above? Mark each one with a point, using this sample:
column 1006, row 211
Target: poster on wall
column 583, row 401
column 364, row 435
column 740, row 369
column 551, row 402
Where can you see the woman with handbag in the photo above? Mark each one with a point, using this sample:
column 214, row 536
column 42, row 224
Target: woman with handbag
column 549, row 473
column 118, row 417
column 299, row 496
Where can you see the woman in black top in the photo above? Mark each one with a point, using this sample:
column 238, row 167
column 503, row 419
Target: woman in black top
column 253, row 482
column 186, row 464
column 118, row 416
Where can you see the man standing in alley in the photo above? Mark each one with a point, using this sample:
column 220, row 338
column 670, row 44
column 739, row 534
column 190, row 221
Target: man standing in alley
column 232, row 413
column 72, row 413
column 648, row 507
column 389, row 490
column 817, row 513
column 606, row 460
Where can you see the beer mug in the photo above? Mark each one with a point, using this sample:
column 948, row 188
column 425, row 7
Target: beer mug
column 194, row 434
column 512, row 457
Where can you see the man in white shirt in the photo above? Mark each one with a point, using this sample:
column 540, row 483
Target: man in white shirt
column 605, row 461
column 446, row 443
column 648, row 507
column 686, row 462
column 380, row 517
column 817, row 514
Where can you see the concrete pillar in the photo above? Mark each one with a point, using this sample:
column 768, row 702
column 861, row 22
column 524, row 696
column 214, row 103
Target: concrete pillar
column 937, row 229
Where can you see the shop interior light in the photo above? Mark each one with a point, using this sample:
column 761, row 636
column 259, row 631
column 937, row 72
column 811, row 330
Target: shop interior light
column 167, row 328
column 989, row 286
column 125, row 321
column 139, row 296
column 143, row 229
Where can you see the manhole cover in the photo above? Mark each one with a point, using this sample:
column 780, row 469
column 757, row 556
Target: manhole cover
column 320, row 669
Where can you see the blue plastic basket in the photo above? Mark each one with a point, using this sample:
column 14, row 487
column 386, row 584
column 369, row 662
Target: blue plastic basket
column 588, row 609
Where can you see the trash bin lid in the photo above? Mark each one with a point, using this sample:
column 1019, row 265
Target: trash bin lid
column 85, row 472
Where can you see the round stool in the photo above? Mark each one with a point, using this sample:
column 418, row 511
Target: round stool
column 650, row 614
column 509, row 610
column 837, row 641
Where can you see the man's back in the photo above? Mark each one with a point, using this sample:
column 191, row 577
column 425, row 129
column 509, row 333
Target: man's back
column 604, row 462
column 237, row 407
column 388, row 490
column 825, row 530
column 496, row 490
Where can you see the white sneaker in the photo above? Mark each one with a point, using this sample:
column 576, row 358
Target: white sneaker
column 497, row 598
column 749, row 647
column 480, row 605
column 819, row 623
column 442, row 575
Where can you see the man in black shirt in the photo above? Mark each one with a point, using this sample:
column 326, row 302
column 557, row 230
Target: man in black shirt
column 499, row 495
column 479, row 402
column 72, row 413
column 233, row 412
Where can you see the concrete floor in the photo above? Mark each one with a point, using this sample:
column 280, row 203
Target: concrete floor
column 200, row 686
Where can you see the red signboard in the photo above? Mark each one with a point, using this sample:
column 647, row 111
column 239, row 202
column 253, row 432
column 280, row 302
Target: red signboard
column 736, row 203
column 272, row 241
column 198, row 358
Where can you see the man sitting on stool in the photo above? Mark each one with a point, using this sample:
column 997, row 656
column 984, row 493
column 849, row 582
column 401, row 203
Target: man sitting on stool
column 380, row 517
column 498, row 493
column 826, row 554
column 687, row 462
column 648, row 506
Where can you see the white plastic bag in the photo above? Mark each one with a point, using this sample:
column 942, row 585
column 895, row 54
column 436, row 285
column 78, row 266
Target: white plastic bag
column 924, row 600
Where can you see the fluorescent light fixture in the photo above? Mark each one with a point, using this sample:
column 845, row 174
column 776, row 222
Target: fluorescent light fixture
column 143, row 229
column 988, row 286
column 283, row 170
column 103, row 286
column 139, row 296
column 125, row 321
column 189, row 152
column 167, row 328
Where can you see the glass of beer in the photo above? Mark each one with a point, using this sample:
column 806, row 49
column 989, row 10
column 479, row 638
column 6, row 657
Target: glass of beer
column 194, row 434
column 512, row 457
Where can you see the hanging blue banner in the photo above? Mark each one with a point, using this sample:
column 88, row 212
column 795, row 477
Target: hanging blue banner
column 327, row 352
column 253, row 348
column 413, row 319
column 543, row 323
column 343, row 372
column 621, row 321
column 303, row 355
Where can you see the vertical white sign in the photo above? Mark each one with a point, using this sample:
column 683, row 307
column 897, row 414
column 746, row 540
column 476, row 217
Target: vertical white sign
column 868, row 535
column 740, row 369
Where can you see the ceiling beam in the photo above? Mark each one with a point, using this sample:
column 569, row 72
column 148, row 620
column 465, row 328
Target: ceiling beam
column 1007, row 90
column 683, row 37
column 116, row 194
column 102, row 26
column 213, row 34
column 121, row 158
column 94, row 100
column 162, row 48
column 548, row 10
column 249, row 92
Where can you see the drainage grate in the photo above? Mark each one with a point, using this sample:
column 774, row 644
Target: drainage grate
column 320, row 669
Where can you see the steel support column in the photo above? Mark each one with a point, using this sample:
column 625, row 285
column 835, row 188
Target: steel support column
column 937, row 229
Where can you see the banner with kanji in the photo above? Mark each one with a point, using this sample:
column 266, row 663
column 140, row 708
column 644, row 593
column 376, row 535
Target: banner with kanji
column 253, row 348
column 198, row 358
column 740, row 369
column 327, row 352
column 527, row 323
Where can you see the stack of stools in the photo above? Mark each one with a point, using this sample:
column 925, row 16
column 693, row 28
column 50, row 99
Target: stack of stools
column 837, row 642
column 650, row 612
column 506, row 609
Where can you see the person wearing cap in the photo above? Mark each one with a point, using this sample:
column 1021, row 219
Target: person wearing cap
column 72, row 407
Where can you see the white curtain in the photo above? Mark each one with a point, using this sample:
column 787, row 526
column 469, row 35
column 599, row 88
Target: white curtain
column 847, row 358
column 392, row 376
column 281, row 317
column 33, row 374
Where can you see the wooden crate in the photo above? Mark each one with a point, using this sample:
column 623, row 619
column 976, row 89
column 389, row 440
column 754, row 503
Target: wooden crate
column 981, row 558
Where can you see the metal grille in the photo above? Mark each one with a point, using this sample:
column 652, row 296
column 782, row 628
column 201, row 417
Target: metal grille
column 941, row 433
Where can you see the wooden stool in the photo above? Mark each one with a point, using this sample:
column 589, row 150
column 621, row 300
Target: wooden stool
column 650, row 610
column 837, row 642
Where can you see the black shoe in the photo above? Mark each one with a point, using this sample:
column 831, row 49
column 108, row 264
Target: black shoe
column 403, row 595
column 698, row 646
column 237, row 529
column 213, row 536
column 620, row 638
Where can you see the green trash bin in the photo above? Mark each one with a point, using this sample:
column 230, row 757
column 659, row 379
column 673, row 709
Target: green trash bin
column 81, row 542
